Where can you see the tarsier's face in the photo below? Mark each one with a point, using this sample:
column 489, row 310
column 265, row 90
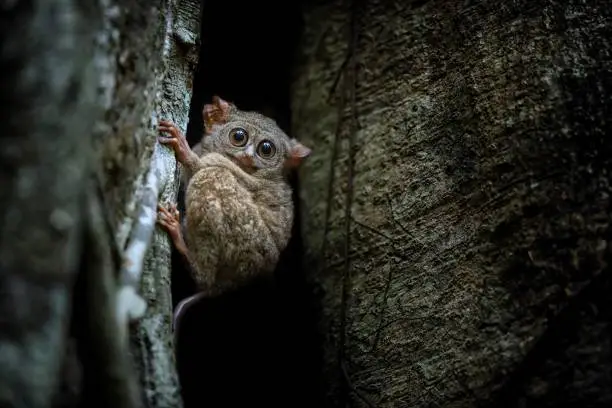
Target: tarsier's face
column 253, row 141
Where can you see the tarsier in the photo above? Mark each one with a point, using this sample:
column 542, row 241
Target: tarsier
column 238, row 204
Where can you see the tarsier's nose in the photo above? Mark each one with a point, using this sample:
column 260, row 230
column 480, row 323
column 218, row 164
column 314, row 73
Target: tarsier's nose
column 246, row 160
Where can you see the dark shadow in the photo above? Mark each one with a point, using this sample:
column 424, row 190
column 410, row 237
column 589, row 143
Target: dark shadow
column 258, row 345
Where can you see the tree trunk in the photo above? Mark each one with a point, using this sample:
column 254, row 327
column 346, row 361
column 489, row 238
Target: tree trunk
column 87, row 83
column 456, row 207
column 48, row 98
column 170, row 84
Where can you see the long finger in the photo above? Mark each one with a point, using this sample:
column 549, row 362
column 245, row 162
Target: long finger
column 167, row 130
column 167, row 220
column 163, row 223
column 167, row 141
column 170, row 227
column 162, row 210
column 169, row 127
column 168, row 138
column 174, row 215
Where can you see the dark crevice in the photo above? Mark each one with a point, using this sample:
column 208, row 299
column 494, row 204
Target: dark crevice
column 257, row 345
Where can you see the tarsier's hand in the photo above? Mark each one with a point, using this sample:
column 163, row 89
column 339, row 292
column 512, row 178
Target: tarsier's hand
column 170, row 220
column 176, row 140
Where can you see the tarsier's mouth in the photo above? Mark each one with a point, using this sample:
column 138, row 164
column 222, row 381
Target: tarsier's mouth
column 245, row 162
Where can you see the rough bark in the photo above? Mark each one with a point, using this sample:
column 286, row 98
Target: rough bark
column 156, row 58
column 456, row 207
column 82, row 173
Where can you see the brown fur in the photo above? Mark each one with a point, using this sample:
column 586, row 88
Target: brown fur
column 239, row 211
column 236, row 225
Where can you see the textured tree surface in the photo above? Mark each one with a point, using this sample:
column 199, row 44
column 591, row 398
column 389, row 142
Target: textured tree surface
column 462, row 245
column 152, row 54
column 84, row 84
column 160, row 56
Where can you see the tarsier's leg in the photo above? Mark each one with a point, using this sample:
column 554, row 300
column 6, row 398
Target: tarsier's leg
column 170, row 220
column 177, row 141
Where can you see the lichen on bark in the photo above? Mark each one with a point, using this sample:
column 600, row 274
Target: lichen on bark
column 161, row 73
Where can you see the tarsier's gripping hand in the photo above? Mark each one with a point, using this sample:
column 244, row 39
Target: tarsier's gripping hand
column 177, row 141
column 170, row 220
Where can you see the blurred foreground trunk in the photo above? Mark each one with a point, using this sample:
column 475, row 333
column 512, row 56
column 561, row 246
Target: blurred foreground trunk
column 84, row 84
column 456, row 209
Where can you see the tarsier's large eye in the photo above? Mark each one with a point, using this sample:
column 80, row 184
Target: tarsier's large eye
column 238, row 137
column 266, row 149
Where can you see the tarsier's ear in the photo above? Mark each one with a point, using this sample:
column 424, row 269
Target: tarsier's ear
column 297, row 153
column 216, row 112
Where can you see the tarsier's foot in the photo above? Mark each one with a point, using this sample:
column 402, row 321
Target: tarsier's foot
column 170, row 220
column 182, row 307
column 176, row 140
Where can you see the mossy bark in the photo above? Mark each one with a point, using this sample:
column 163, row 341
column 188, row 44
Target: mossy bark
column 456, row 207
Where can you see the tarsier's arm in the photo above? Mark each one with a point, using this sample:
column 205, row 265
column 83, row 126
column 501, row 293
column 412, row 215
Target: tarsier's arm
column 217, row 112
column 213, row 114
column 177, row 141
